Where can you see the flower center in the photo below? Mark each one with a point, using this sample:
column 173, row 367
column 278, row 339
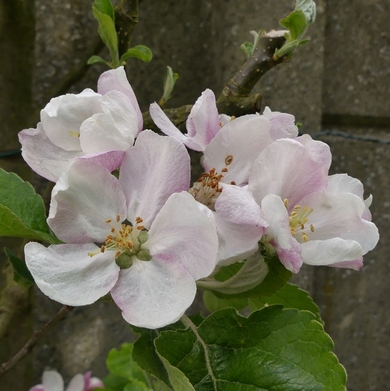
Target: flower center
column 206, row 189
column 126, row 240
column 299, row 219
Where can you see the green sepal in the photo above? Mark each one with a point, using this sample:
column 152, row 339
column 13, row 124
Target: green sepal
column 141, row 52
column 22, row 210
column 247, row 48
column 22, row 275
column 105, row 7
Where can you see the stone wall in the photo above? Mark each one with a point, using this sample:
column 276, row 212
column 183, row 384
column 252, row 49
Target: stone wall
column 337, row 86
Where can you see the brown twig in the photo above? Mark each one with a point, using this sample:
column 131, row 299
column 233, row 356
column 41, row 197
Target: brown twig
column 126, row 18
column 61, row 314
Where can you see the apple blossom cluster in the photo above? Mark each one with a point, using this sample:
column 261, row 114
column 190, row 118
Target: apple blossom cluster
column 147, row 235
column 53, row 381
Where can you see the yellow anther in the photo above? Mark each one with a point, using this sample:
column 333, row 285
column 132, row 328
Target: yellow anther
column 312, row 228
column 285, row 202
column 108, row 221
column 228, row 160
column 118, row 218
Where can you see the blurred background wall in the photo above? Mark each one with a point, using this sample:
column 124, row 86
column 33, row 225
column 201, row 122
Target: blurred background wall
column 337, row 86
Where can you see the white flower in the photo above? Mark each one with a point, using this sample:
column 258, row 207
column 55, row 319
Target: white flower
column 102, row 125
column 154, row 241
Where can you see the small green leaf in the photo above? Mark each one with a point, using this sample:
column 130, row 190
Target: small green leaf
column 97, row 59
column 105, row 7
column 247, row 48
column 137, row 385
column 296, row 23
column 290, row 296
column 272, row 349
column 22, row 211
column 113, row 382
column 140, row 51
column 214, row 303
column 21, row 274
column 169, row 83
column 108, row 34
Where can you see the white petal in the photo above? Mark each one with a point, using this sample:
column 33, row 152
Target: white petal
column 152, row 170
column 44, row 157
column 115, row 79
column 203, row 122
column 154, row 294
column 114, row 129
column 236, row 241
column 168, row 128
column 236, row 146
column 288, row 169
column 183, row 234
column 83, row 200
column 76, row 384
column 67, row 274
column 333, row 252
column 52, row 381
column 340, row 215
column 63, row 116
column 282, row 124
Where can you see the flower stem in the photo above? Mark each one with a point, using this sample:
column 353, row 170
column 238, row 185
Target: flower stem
column 188, row 323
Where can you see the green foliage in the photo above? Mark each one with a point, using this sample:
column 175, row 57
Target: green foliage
column 296, row 23
column 141, row 52
column 22, row 211
column 21, row 274
column 104, row 13
column 272, row 349
column 248, row 47
column 169, row 83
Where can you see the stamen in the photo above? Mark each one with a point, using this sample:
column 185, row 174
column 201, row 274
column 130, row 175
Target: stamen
column 228, row 160
column 108, row 221
column 118, row 218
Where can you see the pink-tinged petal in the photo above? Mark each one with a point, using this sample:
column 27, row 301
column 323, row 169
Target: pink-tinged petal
column 282, row 124
column 236, row 241
column 319, row 151
column 152, row 170
column 154, row 293
column 52, row 381
column 237, row 205
column 116, row 80
column 278, row 230
column 236, row 146
column 44, row 157
column 114, row 129
column 182, row 233
column 110, row 160
column 335, row 252
column 288, row 169
column 63, row 116
column 38, row 387
column 203, row 122
column 168, row 128
column 91, row 383
column 67, row 274
column 83, row 201
column 343, row 183
column 76, row 384
column 340, row 215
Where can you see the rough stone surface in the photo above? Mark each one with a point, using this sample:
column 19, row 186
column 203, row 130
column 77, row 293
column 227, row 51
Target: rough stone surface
column 200, row 40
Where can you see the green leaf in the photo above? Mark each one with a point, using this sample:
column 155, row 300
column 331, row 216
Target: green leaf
column 169, row 83
column 108, row 34
column 97, row 59
column 137, row 385
column 290, row 296
column 247, row 48
column 273, row 349
column 144, row 354
column 140, row 51
column 113, row 382
column 105, row 7
column 296, row 23
column 22, row 211
column 21, row 274
column 214, row 303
